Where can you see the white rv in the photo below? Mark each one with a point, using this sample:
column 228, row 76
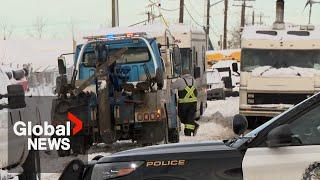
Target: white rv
column 15, row 159
column 192, row 44
column 280, row 67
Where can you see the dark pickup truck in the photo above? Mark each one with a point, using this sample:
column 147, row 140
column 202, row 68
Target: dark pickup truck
column 286, row 147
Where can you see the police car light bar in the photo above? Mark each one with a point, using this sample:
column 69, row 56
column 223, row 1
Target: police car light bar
column 116, row 36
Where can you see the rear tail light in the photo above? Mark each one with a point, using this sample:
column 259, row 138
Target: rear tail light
column 158, row 114
column 146, row 116
column 140, row 117
column 153, row 116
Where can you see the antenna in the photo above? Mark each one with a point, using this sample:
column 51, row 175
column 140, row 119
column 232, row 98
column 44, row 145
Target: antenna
column 310, row 3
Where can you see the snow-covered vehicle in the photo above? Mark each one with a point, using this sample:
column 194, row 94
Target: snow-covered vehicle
column 229, row 72
column 280, row 67
column 17, row 76
column 215, row 87
column 15, row 159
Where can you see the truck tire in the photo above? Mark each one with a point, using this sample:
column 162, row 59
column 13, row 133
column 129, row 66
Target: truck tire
column 151, row 133
column 80, row 144
column 223, row 95
column 31, row 167
column 173, row 135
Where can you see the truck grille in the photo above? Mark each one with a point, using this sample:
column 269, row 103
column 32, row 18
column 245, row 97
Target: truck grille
column 266, row 98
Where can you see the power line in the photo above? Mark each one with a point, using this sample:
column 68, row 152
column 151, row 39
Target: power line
column 192, row 18
column 170, row 10
column 195, row 10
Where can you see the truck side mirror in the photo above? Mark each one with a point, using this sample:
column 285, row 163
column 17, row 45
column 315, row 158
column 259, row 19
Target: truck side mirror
column 197, row 72
column 239, row 124
column 235, row 67
column 101, row 52
column 159, row 78
column 16, row 97
column 62, row 65
column 280, row 136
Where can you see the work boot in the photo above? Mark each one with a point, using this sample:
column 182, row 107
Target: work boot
column 187, row 132
column 195, row 131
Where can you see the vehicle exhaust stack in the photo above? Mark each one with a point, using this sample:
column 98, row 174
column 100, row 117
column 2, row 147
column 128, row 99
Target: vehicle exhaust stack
column 279, row 23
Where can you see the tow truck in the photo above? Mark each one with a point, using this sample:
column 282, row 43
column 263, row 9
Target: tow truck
column 120, row 89
column 286, row 147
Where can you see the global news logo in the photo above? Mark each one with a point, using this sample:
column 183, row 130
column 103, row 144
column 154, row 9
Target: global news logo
column 49, row 137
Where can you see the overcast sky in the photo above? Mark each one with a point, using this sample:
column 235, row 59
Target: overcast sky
column 61, row 15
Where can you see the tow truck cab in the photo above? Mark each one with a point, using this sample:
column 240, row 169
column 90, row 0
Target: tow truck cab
column 137, row 91
column 138, row 59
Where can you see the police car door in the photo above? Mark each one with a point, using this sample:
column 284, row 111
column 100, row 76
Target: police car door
column 297, row 161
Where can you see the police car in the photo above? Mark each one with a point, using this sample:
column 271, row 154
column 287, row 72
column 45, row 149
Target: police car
column 286, row 147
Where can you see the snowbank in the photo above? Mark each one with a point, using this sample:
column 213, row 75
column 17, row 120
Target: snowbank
column 37, row 52
column 227, row 108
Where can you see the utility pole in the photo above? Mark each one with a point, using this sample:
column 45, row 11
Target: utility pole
column 253, row 18
column 207, row 28
column 208, row 23
column 225, row 27
column 115, row 13
column 243, row 11
column 181, row 13
column 260, row 19
column 208, row 17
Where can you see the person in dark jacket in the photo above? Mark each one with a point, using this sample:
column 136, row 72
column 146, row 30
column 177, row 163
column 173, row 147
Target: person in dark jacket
column 187, row 102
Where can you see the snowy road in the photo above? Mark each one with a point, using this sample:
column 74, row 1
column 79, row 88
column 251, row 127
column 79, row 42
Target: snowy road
column 215, row 125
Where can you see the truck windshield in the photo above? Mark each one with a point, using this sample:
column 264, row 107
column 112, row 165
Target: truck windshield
column 254, row 58
column 132, row 55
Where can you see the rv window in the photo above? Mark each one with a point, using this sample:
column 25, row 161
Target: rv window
column 186, row 60
column 296, row 61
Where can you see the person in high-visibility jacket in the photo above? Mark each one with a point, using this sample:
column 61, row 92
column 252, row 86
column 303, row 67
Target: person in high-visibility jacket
column 187, row 102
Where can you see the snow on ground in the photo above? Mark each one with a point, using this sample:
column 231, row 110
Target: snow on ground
column 227, row 108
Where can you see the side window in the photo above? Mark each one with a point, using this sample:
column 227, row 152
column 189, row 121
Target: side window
column 306, row 128
column 194, row 57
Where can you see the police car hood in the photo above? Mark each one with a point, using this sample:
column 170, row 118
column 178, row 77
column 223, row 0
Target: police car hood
column 181, row 150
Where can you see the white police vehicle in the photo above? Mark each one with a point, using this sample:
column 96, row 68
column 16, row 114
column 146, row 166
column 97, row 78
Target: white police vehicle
column 15, row 159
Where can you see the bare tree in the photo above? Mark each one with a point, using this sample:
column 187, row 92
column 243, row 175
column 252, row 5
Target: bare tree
column 38, row 28
column 235, row 40
column 5, row 30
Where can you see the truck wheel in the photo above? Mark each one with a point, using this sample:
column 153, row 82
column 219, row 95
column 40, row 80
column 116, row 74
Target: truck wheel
column 80, row 144
column 201, row 109
column 31, row 167
column 173, row 135
column 223, row 95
